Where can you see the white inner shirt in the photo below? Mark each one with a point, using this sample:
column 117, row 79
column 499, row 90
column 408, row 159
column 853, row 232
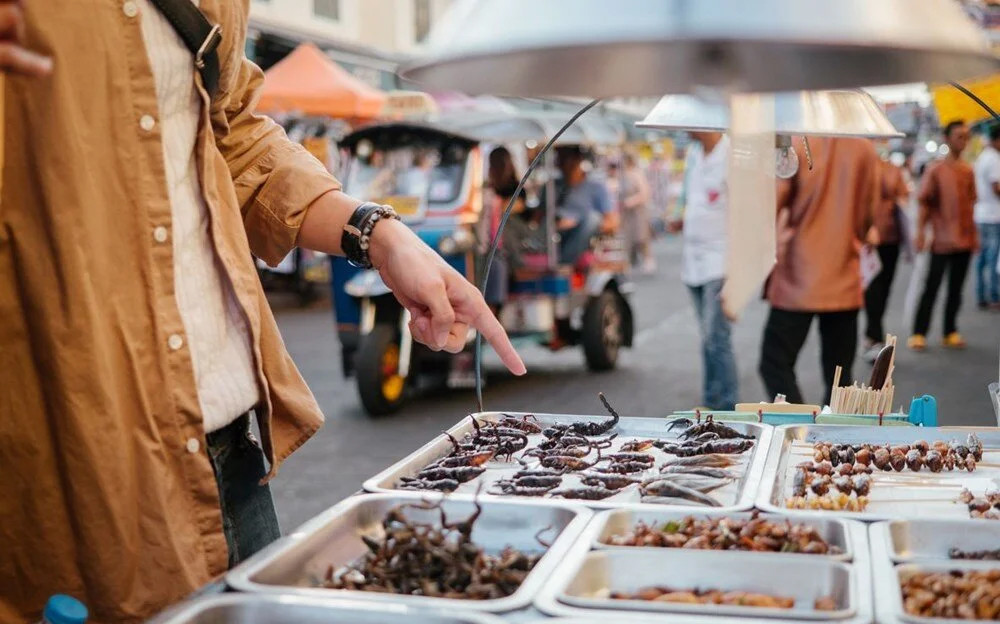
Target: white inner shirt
column 987, row 174
column 215, row 327
column 706, row 213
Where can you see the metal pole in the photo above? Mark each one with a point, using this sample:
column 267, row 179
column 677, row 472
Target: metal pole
column 551, row 247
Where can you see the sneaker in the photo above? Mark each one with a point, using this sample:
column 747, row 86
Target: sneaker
column 953, row 340
column 871, row 353
column 917, row 342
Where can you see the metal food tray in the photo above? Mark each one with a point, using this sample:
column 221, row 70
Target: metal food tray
column 805, row 579
column 260, row 609
column 736, row 496
column 920, row 540
column 887, row 574
column 294, row 565
column 835, row 531
column 657, row 568
column 893, row 496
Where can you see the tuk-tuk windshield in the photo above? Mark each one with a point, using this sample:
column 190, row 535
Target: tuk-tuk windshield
column 408, row 178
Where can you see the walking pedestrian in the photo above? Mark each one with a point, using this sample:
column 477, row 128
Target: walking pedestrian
column 987, row 217
column 136, row 343
column 893, row 195
column 947, row 200
column 636, row 196
column 824, row 214
column 704, row 263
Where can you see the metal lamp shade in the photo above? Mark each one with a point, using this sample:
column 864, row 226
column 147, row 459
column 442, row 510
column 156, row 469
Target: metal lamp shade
column 846, row 113
column 598, row 48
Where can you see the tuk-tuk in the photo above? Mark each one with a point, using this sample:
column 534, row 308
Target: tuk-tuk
column 433, row 175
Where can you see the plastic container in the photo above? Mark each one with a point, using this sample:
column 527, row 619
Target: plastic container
column 63, row 609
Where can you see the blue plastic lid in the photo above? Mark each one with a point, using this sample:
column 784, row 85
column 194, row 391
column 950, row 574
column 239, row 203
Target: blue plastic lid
column 63, row 609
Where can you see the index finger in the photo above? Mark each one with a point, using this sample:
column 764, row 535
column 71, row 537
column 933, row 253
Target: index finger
column 493, row 332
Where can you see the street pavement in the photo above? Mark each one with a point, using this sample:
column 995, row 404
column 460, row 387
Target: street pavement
column 662, row 373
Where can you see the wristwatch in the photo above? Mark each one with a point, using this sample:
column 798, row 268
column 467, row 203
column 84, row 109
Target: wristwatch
column 357, row 233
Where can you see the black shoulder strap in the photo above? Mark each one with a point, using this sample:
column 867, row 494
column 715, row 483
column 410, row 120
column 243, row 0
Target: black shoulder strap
column 200, row 36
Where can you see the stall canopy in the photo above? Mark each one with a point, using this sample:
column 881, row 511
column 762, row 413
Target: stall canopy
column 308, row 82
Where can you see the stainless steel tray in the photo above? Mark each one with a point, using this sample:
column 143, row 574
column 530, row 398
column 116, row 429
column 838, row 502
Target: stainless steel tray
column 259, row 609
column 804, row 579
column 889, row 597
column 835, row 531
column 737, row 496
column 900, row 500
column 294, row 565
column 917, row 540
column 742, row 565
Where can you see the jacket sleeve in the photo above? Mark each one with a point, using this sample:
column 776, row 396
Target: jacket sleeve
column 276, row 179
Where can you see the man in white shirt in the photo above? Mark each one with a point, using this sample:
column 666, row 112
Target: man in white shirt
column 706, row 204
column 987, row 217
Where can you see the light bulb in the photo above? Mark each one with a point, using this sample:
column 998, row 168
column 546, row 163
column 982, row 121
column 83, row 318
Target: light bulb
column 786, row 161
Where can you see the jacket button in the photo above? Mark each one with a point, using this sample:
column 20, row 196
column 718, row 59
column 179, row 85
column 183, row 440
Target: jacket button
column 193, row 445
column 175, row 341
column 130, row 9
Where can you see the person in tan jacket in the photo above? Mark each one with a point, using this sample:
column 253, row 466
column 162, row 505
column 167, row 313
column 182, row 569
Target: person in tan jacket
column 947, row 203
column 823, row 215
column 136, row 343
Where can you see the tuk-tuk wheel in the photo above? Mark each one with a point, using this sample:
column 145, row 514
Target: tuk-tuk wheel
column 382, row 389
column 603, row 331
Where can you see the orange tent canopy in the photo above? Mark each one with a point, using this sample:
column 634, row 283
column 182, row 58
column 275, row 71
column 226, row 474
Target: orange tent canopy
column 309, row 82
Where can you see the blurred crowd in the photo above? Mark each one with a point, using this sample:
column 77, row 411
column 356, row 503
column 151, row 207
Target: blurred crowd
column 843, row 225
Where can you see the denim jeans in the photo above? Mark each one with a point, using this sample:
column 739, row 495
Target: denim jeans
column 248, row 516
column 576, row 240
column 720, row 383
column 987, row 279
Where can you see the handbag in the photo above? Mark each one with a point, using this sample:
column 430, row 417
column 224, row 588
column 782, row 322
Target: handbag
column 199, row 35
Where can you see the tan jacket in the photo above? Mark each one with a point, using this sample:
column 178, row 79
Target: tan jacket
column 893, row 193
column 947, row 201
column 99, row 495
column 829, row 211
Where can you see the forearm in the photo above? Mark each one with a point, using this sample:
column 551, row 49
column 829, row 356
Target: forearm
column 324, row 222
column 923, row 216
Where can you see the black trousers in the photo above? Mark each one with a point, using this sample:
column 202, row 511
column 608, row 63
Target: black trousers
column 877, row 295
column 957, row 265
column 784, row 335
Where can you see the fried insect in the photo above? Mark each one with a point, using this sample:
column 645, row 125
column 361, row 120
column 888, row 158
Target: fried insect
column 438, row 560
column 465, row 459
column 609, row 481
column 528, row 486
column 755, row 534
column 715, row 473
column 666, row 487
column 836, row 501
column 636, row 446
column 440, row 485
column 711, row 426
column 570, row 451
column 567, row 462
column 729, row 447
column 459, row 473
column 597, row 428
column 593, row 492
column 700, row 483
column 527, row 423
column 953, row 594
column 628, row 467
column 707, row 597
column 679, row 422
column 630, row 457
column 711, row 460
